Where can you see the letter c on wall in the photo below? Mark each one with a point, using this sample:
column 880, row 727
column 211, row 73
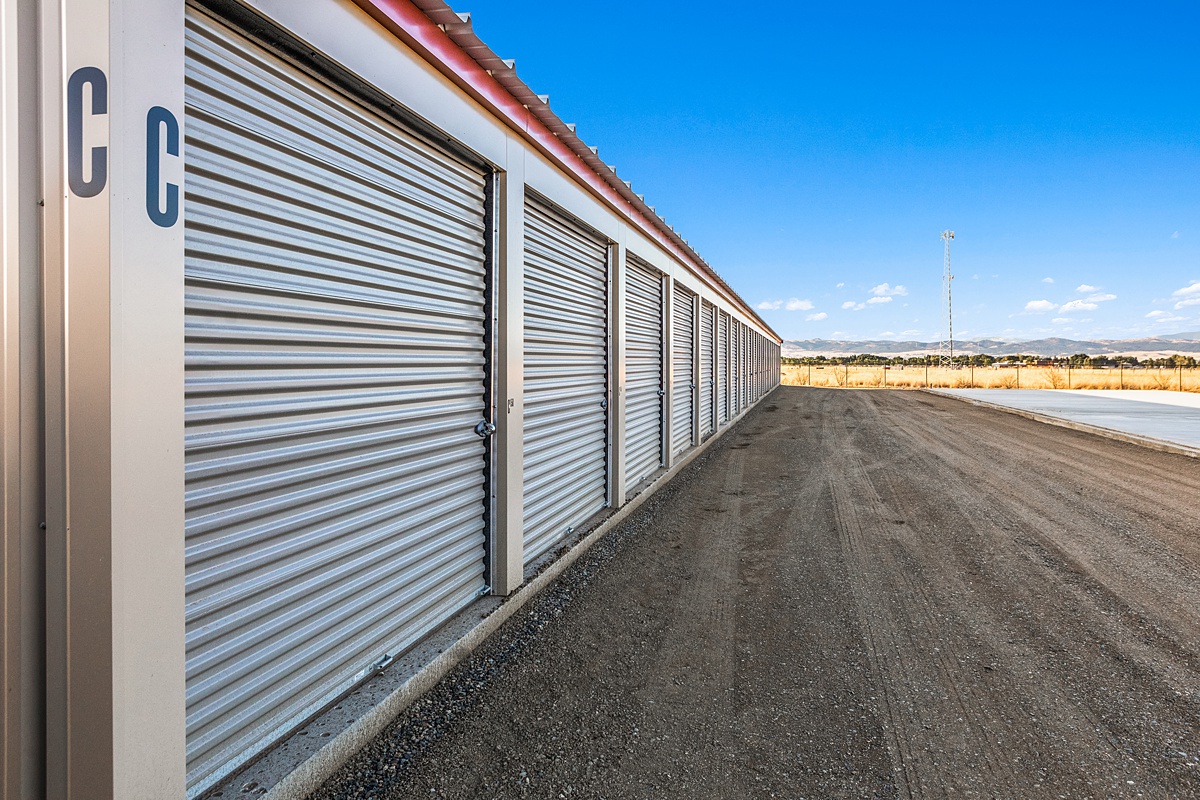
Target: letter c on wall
column 159, row 123
column 94, row 77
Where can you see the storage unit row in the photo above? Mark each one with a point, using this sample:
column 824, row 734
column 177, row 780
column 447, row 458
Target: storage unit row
column 357, row 351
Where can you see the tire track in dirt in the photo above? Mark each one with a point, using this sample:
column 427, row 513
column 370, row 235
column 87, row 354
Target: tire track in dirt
column 900, row 614
column 1137, row 662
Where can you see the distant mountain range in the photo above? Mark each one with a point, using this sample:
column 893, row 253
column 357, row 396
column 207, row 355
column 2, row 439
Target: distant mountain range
column 1156, row 346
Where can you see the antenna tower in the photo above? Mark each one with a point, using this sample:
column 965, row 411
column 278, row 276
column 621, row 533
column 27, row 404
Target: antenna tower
column 946, row 349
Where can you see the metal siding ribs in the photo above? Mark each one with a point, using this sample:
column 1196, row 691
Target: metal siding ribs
column 723, row 368
column 706, row 369
column 682, row 341
column 643, row 372
column 566, row 375
column 335, row 363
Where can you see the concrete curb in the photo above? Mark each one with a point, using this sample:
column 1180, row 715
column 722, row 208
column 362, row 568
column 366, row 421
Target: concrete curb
column 318, row 767
column 1121, row 436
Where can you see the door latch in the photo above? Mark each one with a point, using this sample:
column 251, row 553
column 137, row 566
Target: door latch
column 604, row 404
column 485, row 429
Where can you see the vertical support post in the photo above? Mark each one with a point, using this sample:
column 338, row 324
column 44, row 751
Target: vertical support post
column 616, row 403
column 507, row 550
column 80, row 748
column 22, row 567
column 112, row 110
column 145, row 334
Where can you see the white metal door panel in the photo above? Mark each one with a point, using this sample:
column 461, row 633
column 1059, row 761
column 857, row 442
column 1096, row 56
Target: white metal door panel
column 643, row 371
column 752, row 383
column 335, row 371
column 566, row 375
column 707, row 382
column 735, row 376
column 723, row 368
column 743, row 367
column 683, row 320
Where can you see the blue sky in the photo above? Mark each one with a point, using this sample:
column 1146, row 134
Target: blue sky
column 814, row 153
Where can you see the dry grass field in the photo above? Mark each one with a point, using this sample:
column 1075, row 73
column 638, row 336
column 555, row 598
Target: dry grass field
column 870, row 377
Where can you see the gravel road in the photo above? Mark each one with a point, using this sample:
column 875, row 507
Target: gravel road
column 853, row 594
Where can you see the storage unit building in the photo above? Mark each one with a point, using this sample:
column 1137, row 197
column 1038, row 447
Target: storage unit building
column 360, row 332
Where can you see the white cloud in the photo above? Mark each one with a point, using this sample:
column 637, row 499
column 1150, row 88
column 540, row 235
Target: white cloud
column 850, row 305
column 1077, row 305
column 770, row 305
column 1040, row 305
column 1188, row 295
column 877, row 300
column 1047, row 280
column 887, row 290
column 1158, row 314
column 1083, row 287
column 1175, row 235
column 910, row 332
column 1059, row 320
column 840, row 285
column 1101, row 298
column 820, row 315
column 1164, row 316
column 799, row 305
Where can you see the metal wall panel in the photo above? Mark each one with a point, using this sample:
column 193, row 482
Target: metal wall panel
column 683, row 320
column 643, row 371
column 734, row 400
column 335, row 373
column 743, row 367
column 722, row 368
column 707, row 381
column 566, row 375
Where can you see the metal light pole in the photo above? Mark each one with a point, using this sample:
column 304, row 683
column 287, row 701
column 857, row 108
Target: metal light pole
column 946, row 350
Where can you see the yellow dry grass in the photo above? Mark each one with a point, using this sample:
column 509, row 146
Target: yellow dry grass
column 864, row 377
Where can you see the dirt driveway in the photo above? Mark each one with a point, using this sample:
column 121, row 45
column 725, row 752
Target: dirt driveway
column 853, row 594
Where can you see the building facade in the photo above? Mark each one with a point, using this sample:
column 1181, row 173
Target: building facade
column 318, row 326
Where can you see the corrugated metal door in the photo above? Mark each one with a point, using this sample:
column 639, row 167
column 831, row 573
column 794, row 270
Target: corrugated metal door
column 707, row 383
column 335, row 372
column 723, row 368
column 643, row 371
column 735, row 359
column 566, row 375
column 743, row 366
column 757, row 362
column 733, row 368
column 683, row 320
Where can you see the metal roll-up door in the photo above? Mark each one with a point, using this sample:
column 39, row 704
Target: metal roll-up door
column 743, row 368
column 566, row 375
column 757, row 362
column 335, row 287
column 683, row 320
column 643, row 371
column 722, row 368
column 707, row 415
column 734, row 368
